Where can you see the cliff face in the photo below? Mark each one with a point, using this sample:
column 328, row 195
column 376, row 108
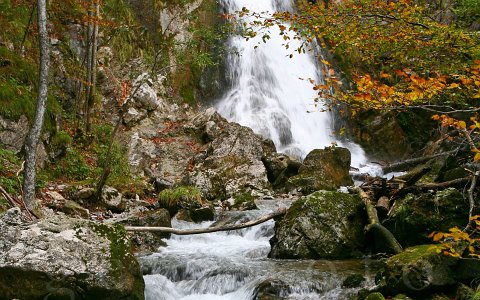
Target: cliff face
column 169, row 49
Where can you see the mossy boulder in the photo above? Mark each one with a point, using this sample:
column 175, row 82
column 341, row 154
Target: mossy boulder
column 322, row 169
column 375, row 296
column 324, row 224
column 418, row 270
column 415, row 216
column 244, row 201
column 73, row 257
column 186, row 202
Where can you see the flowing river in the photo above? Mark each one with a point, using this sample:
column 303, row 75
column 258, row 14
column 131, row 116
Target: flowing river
column 234, row 265
column 267, row 95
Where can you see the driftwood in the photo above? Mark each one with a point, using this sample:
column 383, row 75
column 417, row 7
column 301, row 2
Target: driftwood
column 384, row 241
column 251, row 223
column 410, row 163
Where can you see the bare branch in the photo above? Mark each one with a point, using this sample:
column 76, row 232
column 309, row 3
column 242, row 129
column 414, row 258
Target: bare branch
column 251, row 223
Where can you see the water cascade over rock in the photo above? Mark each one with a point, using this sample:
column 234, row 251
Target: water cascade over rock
column 267, row 93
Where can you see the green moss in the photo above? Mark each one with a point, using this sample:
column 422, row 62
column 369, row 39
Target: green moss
column 122, row 260
column 414, row 253
column 184, row 196
column 245, row 201
column 375, row 296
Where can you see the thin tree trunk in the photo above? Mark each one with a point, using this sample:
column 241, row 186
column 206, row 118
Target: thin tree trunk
column 93, row 67
column 88, row 60
column 251, row 223
column 33, row 136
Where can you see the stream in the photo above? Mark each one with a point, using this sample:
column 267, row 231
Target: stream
column 233, row 265
column 266, row 95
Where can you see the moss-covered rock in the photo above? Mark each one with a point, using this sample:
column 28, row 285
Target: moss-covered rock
column 415, row 216
column 464, row 292
column 323, row 169
column 187, row 202
column 417, row 270
column 375, row 296
column 78, row 258
column 244, row 201
column 324, row 224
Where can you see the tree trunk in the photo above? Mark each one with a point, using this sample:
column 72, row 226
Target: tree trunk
column 92, row 72
column 384, row 241
column 33, row 136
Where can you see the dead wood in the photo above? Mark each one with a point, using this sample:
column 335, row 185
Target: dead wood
column 251, row 223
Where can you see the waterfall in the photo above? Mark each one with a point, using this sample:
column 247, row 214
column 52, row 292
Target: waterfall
column 267, row 93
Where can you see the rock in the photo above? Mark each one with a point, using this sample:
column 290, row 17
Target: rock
column 325, row 169
column 353, row 281
column 244, row 201
column 464, row 292
column 104, row 55
column 201, row 214
column 280, row 167
column 146, row 98
column 413, row 217
column 112, row 199
column 270, row 290
column 375, row 296
column 418, row 269
column 55, row 196
column 187, row 201
column 324, row 224
column 60, row 255
column 13, row 133
column 133, row 116
column 85, row 193
column 232, row 163
column 146, row 242
column 72, row 208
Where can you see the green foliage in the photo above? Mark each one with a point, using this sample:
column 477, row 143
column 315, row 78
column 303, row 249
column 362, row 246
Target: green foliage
column 61, row 139
column 169, row 198
column 72, row 167
column 467, row 12
column 9, row 165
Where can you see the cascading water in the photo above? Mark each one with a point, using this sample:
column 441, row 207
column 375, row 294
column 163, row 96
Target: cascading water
column 234, row 265
column 268, row 96
column 267, row 93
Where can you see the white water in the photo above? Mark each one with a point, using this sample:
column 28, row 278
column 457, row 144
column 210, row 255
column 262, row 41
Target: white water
column 267, row 94
column 232, row 265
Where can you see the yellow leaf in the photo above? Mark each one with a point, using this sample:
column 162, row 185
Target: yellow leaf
column 438, row 236
column 325, row 62
column 462, row 125
column 476, row 157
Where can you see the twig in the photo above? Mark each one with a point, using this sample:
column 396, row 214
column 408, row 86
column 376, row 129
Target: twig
column 471, row 198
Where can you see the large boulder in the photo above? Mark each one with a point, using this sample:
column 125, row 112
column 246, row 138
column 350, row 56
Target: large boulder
column 324, row 224
column 325, row 169
column 418, row 270
column 413, row 217
column 232, row 162
column 75, row 258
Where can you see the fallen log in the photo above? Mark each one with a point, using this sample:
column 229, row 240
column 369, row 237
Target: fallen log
column 410, row 163
column 460, row 182
column 384, row 241
column 251, row 223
